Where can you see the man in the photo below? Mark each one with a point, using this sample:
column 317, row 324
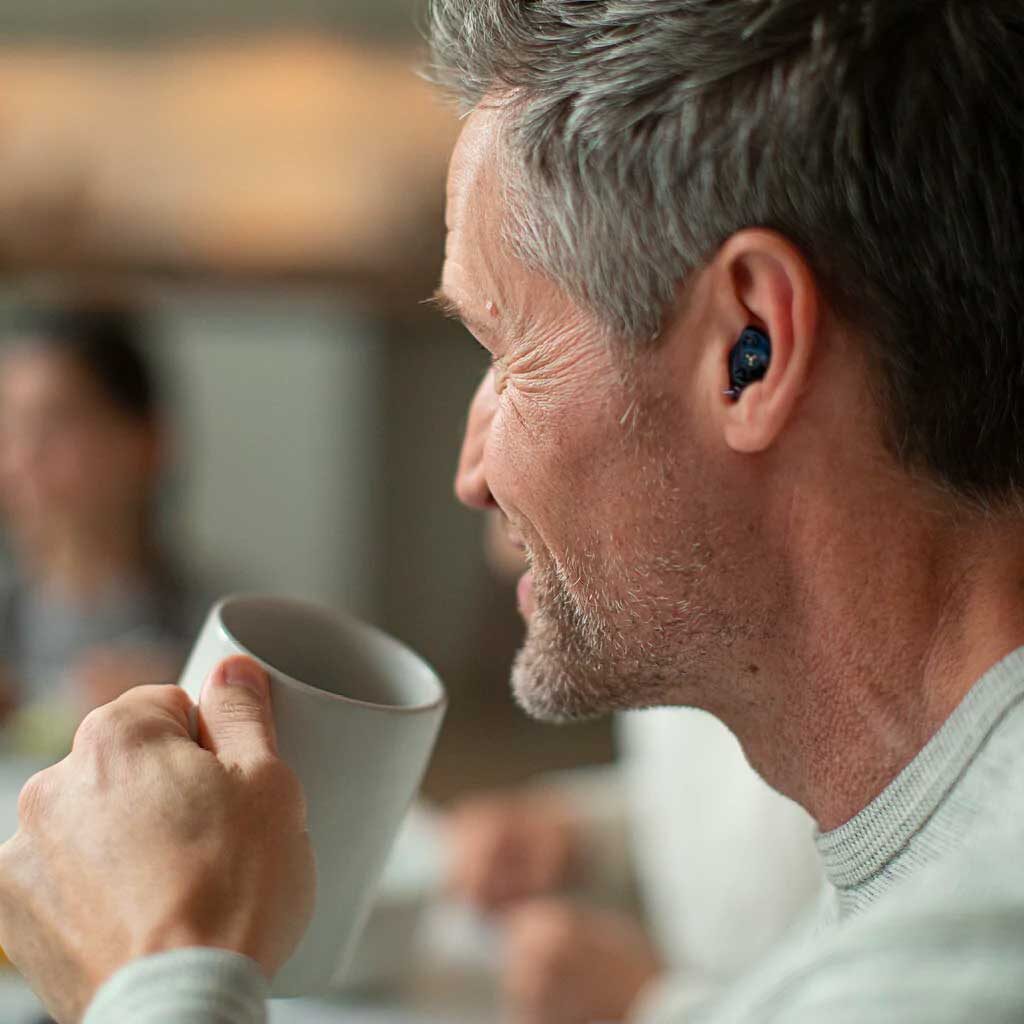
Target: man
column 829, row 558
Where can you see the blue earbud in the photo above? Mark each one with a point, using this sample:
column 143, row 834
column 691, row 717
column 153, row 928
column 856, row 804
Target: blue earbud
column 748, row 360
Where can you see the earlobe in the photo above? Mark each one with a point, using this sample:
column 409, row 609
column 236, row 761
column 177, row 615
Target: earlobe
column 744, row 427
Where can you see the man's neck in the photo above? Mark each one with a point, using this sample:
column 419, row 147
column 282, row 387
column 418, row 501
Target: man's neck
column 885, row 657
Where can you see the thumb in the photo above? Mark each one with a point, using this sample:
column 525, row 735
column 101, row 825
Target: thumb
column 236, row 722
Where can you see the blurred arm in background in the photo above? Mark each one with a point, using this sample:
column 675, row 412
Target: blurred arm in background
column 675, row 818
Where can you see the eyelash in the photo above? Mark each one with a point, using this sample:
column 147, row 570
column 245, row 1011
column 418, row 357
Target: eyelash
column 494, row 362
column 491, row 357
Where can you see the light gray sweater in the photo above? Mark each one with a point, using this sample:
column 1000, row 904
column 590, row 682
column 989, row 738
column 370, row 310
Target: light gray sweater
column 924, row 919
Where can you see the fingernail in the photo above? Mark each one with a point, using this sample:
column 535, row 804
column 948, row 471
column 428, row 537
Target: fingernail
column 244, row 673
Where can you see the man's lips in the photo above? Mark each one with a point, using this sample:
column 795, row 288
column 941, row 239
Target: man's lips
column 515, row 539
column 524, row 595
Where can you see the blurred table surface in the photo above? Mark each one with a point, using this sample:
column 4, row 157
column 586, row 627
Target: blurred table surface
column 452, row 979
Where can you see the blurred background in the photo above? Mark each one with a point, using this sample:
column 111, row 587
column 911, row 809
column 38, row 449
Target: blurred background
column 257, row 188
column 218, row 226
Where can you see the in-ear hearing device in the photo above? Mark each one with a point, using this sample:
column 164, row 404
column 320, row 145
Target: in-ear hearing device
column 748, row 360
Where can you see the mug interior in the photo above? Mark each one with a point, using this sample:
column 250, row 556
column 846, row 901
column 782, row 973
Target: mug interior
column 329, row 651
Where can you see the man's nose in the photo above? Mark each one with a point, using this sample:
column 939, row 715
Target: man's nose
column 471, row 487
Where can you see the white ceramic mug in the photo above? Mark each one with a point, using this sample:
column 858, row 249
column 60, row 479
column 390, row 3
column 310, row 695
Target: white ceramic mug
column 357, row 714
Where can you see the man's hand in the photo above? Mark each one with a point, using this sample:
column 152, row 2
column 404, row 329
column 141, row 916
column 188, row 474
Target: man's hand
column 142, row 841
column 568, row 965
column 509, row 848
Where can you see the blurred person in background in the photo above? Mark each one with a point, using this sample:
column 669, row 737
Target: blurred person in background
column 829, row 558
column 677, row 817
column 92, row 606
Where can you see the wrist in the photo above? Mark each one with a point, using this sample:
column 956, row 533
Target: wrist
column 197, row 983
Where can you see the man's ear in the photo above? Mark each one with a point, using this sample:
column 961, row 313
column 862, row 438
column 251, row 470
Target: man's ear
column 759, row 279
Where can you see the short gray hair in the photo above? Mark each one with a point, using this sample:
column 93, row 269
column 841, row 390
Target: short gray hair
column 885, row 138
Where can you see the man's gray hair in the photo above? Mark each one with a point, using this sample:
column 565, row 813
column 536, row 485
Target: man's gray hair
column 885, row 138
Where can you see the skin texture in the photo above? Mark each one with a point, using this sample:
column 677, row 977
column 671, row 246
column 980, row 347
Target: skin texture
column 763, row 559
column 566, row 443
column 142, row 840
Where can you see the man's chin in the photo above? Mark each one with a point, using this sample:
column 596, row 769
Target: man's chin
column 545, row 691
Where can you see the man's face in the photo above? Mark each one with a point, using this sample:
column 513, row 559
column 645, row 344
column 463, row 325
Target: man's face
column 598, row 465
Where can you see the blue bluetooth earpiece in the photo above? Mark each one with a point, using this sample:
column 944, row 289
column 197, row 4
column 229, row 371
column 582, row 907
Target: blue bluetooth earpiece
column 748, row 360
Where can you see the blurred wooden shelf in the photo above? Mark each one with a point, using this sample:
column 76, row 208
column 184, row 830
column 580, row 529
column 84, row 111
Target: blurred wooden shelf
column 271, row 156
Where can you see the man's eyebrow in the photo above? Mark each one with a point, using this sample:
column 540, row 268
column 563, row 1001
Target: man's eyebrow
column 445, row 304
column 448, row 307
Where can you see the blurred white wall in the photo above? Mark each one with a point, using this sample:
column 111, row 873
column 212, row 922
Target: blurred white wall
column 277, row 414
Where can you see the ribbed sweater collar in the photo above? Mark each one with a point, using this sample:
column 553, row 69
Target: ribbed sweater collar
column 862, row 848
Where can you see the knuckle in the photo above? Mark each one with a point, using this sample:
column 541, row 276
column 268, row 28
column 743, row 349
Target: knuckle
column 231, row 709
column 167, row 697
column 95, row 728
column 177, row 697
column 238, row 722
column 32, row 799
column 111, row 724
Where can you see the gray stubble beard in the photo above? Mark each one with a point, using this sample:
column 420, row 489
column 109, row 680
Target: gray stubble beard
column 647, row 627
column 587, row 655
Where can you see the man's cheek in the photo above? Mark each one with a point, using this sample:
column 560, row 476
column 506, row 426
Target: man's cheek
column 518, row 460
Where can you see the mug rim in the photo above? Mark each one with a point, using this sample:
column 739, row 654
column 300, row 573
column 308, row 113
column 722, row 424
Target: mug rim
column 343, row 618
